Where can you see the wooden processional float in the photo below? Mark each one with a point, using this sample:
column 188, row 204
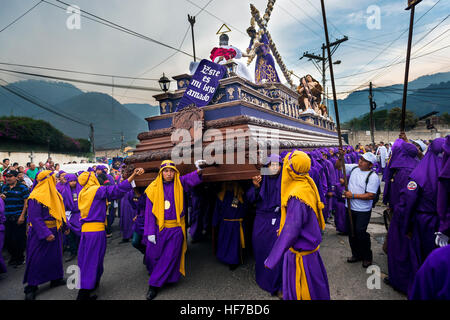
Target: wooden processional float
column 239, row 125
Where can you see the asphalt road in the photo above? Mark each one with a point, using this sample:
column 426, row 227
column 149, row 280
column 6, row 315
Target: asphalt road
column 125, row 277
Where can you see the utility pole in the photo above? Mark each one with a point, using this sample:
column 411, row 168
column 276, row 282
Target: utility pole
column 191, row 20
column 121, row 142
column 91, row 138
column 323, row 58
column 411, row 6
column 338, row 125
column 48, row 146
column 372, row 106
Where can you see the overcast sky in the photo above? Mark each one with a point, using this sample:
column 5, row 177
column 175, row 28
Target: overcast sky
column 42, row 38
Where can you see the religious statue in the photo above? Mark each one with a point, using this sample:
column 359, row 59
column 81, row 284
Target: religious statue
column 310, row 94
column 265, row 65
column 222, row 54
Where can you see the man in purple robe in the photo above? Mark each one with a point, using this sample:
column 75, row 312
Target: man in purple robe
column 198, row 212
column 70, row 195
column 128, row 210
column 403, row 162
column 341, row 218
column 46, row 222
column 443, row 197
column 138, row 223
column 231, row 208
column 266, row 193
column 418, row 205
column 299, row 237
column 165, row 226
column 432, row 281
column 2, row 235
column 92, row 204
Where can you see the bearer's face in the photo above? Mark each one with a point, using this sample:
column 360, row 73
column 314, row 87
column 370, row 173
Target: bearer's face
column 73, row 183
column 168, row 174
column 274, row 168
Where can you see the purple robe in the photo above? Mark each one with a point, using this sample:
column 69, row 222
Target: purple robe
column 128, row 210
column 70, row 197
column 139, row 222
column 163, row 258
column 265, row 64
column 266, row 224
column 432, row 281
column 341, row 218
column 398, row 244
column 301, row 231
column 91, row 251
column 44, row 258
column 2, row 235
column 443, row 191
column 418, row 205
column 197, row 221
column 229, row 249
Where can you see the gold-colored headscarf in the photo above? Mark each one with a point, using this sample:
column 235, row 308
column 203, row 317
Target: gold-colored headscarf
column 155, row 193
column 86, row 196
column 296, row 183
column 45, row 193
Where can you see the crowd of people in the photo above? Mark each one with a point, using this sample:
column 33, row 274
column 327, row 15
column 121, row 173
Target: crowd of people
column 278, row 216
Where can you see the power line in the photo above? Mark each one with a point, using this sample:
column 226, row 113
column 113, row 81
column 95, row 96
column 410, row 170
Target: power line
column 17, row 19
column 38, row 103
column 173, row 54
column 83, row 81
column 119, row 27
column 392, row 42
column 73, row 71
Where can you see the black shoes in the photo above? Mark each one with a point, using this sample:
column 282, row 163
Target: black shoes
column 353, row 259
column 30, row 295
column 233, row 267
column 366, row 263
column 30, row 292
column 85, row 294
column 57, row 283
column 71, row 257
column 152, row 292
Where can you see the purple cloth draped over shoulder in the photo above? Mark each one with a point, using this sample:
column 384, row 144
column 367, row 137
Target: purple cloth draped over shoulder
column 301, row 232
column 43, row 258
column 265, row 64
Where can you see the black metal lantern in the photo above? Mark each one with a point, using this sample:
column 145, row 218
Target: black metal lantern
column 164, row 83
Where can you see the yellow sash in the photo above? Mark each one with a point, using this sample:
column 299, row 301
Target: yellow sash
column 49, row 223
column 241, row 230
column 301, row 283
column 93, row 227
column 182, row 224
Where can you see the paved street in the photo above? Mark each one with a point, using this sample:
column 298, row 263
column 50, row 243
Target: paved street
column 125, row 276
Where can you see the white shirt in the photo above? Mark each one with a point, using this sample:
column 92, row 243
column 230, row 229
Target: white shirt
column 382, row 151
column 357, row 185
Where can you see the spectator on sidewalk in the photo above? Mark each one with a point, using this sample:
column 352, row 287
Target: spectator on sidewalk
column 362, row 190
column 14, row 195
column 33, row 171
